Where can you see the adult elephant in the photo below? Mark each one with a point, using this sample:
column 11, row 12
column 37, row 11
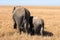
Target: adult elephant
column 21, row 18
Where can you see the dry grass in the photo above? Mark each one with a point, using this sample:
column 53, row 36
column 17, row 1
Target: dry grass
column 51, row 16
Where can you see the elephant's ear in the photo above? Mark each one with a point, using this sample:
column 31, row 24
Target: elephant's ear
column 13, row 9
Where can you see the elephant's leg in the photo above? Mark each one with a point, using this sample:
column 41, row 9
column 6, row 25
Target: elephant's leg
column 41, row 31
column 26, row 28
column 19, row 28
column 19, row 24
column 15, row 25
column 25, row 25
column 29, row 30
column 34, row 29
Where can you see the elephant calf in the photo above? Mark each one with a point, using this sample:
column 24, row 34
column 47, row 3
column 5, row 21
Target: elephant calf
column 38, row 25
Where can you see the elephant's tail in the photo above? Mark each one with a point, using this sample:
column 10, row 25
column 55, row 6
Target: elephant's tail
column 13, row 9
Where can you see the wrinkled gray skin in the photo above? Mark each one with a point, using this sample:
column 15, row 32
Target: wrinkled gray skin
column 21, row 18
column 38, row 25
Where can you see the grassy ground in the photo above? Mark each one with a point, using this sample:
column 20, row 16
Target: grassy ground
column 51, row 16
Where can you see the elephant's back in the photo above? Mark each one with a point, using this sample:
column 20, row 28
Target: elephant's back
column 20, row 11
column 37, row 20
